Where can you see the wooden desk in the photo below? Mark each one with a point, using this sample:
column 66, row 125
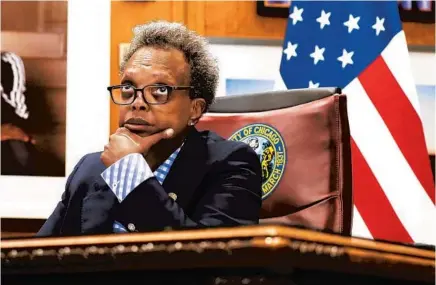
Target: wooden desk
column 246, row 255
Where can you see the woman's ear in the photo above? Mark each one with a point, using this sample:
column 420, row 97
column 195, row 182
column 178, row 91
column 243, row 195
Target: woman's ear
column 198, row 106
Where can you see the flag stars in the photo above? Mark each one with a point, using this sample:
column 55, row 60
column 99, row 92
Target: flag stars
column 317, row 55
column 346, row 58
column 296, row 15
column 379, row 25
column 313, row 85
column 352, row 23
column 290, row 51
column 324, row 19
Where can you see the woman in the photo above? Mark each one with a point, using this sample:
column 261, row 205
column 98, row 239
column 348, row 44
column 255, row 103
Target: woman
column 157, row 171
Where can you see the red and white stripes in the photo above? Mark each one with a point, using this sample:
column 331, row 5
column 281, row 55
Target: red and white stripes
column 393, row 185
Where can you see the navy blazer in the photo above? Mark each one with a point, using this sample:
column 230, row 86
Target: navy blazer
column 217, row 183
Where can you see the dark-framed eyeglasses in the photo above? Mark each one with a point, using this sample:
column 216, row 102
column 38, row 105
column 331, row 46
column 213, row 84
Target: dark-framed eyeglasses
column 125, row 94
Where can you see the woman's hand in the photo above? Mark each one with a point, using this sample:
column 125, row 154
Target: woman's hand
column 123, row 142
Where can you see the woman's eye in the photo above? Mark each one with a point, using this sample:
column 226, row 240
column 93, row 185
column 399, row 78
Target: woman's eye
column 160, row 91
column 127, row 88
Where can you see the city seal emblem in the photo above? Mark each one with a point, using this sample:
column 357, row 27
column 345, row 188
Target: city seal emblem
column 269, row 146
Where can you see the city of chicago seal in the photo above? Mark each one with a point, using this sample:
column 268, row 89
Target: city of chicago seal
column 269, row 146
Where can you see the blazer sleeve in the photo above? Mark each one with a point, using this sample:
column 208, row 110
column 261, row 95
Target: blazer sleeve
column 232, row 197
column 53, row 224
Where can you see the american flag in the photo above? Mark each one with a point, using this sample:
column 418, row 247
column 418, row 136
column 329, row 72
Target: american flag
column 361, row 48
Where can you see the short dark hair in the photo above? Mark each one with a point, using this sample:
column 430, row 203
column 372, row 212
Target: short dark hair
column 203, row 66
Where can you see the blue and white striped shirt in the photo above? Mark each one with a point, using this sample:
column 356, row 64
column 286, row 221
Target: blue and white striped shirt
column 127, row 173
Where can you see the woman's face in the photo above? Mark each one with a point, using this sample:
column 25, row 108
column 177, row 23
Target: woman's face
column 149, row 66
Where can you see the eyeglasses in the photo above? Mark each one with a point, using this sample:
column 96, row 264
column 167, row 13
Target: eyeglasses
column 126, row 94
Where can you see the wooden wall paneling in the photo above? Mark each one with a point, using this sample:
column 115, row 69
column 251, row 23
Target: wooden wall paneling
column 19, row 15
column 32, row 16
column 195, row 18
column 55, row 11
column 238, row 19
column 59, row 28
column 43, row 72
column 32, row 44
column 41, row 16
column 418, row 34
column 55, row 14
column 56, row 27
column 179, row 11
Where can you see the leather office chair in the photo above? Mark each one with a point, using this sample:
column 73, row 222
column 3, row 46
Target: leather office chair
column 303, row 142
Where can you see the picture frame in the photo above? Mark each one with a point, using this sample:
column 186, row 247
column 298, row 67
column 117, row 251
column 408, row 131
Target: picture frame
column 271, row 8
column 417, row 11
column 25, row 198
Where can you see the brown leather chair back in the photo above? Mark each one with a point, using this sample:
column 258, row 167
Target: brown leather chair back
column 303, row 142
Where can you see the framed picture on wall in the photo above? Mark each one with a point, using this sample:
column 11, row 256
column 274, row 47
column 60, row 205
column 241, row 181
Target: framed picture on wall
column 80, row 108
column 33, row 110
column 277, row 3
column 273, row 8
column 417, row 11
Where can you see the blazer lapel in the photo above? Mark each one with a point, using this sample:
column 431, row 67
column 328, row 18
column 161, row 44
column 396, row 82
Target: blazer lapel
column 188, row 170
column 98, row 205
